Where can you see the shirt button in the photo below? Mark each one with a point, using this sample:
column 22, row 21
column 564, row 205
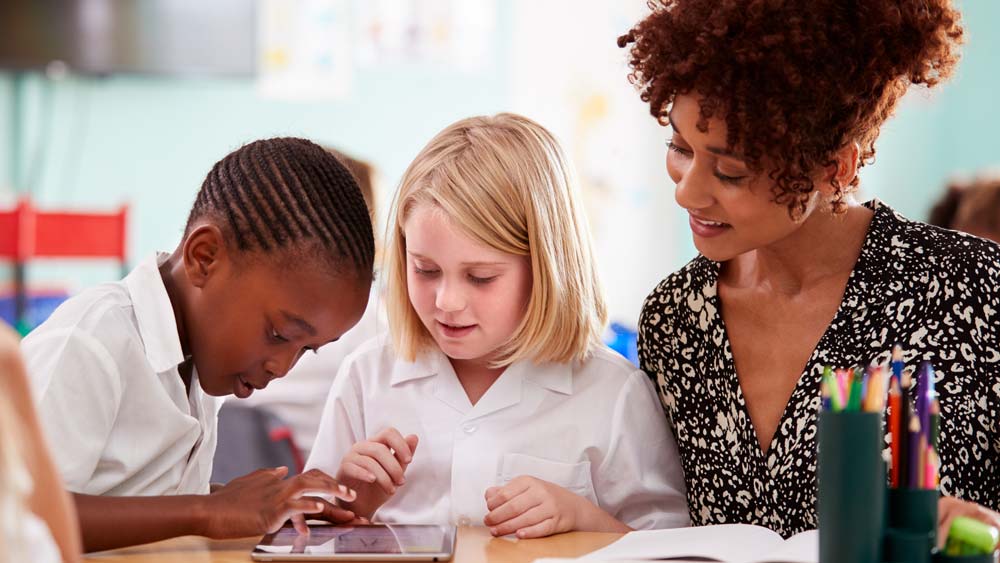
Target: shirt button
column 464, row 521
column 469, row 428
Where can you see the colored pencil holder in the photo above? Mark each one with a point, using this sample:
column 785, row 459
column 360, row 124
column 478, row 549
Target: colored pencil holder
column 852, row 480
column 902, row 546
column 988, row 558
column 912, row 532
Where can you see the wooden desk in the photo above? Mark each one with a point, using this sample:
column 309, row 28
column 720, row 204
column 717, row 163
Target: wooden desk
column 474, row 545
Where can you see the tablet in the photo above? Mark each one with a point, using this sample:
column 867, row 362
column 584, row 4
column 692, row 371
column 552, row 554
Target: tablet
column 383, row 542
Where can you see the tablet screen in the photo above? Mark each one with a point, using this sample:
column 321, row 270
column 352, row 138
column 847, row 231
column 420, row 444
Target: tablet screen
column 387, row 539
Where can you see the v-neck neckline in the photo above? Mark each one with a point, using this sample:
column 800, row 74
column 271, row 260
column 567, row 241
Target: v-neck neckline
column 807, row 386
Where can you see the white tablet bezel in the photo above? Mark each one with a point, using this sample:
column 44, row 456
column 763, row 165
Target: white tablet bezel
column 451, row 534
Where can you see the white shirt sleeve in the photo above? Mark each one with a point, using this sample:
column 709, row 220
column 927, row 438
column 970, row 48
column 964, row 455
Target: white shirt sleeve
column 342, row 424
column 77, row 389
column 641, row 482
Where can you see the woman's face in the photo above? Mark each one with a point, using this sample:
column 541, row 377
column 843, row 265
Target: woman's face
column 732, row 210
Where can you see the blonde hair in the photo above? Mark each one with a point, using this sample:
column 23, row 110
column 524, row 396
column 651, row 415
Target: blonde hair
column 505, row 182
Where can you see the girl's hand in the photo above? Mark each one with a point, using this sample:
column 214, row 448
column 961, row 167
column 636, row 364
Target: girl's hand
column 950, row 507
column 534, row 508
column 375, row 467
column 263, row 501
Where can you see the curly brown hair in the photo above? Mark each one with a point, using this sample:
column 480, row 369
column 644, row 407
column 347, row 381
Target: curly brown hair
column 793, row 80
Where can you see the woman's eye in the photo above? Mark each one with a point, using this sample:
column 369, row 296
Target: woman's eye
column 728, row 179
column 677, row 148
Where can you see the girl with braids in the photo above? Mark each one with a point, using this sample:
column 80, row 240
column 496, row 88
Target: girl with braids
column 494, row 402
column 276, row 260
column 773, row 107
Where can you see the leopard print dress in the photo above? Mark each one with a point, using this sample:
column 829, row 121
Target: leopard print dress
column 935, row 292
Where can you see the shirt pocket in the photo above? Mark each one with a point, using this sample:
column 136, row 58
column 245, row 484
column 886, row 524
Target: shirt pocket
column 574, row 477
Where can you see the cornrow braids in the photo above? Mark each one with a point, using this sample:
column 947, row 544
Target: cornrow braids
column 288, row 194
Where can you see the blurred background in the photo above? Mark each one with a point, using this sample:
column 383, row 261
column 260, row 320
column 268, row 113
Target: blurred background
column 116, row 109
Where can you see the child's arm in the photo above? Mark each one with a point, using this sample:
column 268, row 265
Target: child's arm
column 48, row 499
column 375, row 468
column 534, row 508
column 255, row 504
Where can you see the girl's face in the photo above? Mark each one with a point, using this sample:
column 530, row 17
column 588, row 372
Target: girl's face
column 249, row 325
column 732, row 211
column 470, row 297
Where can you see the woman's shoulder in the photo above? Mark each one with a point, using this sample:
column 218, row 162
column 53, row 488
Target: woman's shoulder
column 695, row 278
column 921, row 251
column 682, row 296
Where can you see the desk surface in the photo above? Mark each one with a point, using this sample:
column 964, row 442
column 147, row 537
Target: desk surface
column 474, row 545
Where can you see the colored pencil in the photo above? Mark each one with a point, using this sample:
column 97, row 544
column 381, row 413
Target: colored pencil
column 913, row 463
column 895, row 404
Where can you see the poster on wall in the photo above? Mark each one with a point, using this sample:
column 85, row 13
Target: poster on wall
column 304, row 52
column 450, row 33
column 573, row 80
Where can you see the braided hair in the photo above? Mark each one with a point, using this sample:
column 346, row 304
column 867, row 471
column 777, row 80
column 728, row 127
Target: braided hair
column 288, row 195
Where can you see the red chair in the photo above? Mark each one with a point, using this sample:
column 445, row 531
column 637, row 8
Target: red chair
column 27, row 232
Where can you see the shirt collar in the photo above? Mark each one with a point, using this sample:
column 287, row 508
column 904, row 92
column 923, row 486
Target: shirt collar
column 554, row 376
column 155, row 314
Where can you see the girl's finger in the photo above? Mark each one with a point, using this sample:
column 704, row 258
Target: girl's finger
column 391, row 438
column 381, row 477
column 524, row 520
column 503, row 494
column 351, row 470
column 299, row 523
column 382, row 454
column 512, row 509
column 540, row 530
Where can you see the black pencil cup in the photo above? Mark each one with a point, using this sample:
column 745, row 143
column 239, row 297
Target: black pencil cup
column 852, row 481
column 912, row 533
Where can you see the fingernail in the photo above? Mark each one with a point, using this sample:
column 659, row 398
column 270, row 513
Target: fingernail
column 318, row 507
column 520, row 533
column 493, row 531
column 402, row 481
column 342, row 488
column 371, row 478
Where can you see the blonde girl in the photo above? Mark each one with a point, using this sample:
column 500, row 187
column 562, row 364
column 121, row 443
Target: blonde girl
column 493, row 401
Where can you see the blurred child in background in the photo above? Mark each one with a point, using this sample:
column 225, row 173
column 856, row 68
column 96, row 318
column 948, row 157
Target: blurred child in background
column 972, row 207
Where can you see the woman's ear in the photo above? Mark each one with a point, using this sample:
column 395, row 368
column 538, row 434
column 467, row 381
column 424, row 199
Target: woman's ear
column 204, row 253
column 844, row 169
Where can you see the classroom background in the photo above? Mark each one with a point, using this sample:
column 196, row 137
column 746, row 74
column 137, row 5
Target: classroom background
column 150, row 94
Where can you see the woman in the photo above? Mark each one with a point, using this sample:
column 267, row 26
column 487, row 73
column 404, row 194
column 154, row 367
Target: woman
column 774, row 107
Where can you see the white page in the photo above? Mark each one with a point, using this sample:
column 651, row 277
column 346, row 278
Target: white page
column 800, row 548
column 725, row 542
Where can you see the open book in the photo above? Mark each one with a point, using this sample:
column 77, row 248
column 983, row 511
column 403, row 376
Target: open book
column 729, row 543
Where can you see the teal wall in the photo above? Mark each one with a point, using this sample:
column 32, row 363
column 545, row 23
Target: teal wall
column 947, row 131
column 150, row 140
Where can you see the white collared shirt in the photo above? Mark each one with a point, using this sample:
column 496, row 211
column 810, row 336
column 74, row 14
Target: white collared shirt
column 595, row 429
column 112, row 404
